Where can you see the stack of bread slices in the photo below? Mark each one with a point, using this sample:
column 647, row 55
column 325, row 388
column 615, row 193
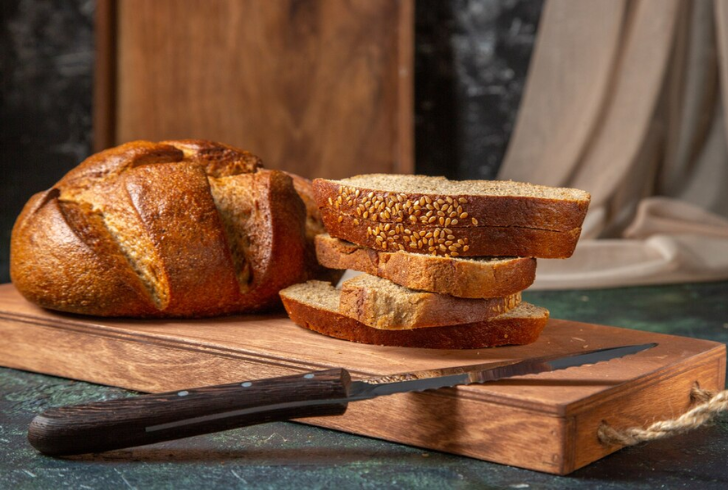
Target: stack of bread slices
column 444, row 262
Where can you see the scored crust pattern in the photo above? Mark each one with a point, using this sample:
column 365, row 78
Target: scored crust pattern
column 177, row 228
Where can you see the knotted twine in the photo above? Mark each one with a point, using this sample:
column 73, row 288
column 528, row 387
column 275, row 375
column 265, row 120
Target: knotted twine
column 711, row 405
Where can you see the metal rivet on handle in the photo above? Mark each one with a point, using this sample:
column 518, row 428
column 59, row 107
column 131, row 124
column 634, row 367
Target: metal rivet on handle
column 247, row 384
column 308, row 376
column 183, row 393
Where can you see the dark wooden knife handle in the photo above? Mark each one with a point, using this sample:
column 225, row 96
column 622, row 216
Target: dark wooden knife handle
column 146, row 419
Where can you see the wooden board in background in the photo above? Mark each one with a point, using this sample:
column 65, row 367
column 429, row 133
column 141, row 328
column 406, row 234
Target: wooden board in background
column 320, row 88
column 546, row 422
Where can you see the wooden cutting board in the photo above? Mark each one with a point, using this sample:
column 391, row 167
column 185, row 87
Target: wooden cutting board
column 546, row 422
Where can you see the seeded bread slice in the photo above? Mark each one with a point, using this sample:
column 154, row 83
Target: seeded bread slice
column 479, row 241
column 483, row 217
column 314, row 305
column 380, row 303
column 487, row 277
column 469, row 203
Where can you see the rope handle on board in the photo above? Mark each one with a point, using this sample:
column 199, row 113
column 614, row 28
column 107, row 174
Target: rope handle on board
column 711, row 405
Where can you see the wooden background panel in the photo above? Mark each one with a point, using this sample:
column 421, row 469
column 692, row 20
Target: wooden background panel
column 318, row 87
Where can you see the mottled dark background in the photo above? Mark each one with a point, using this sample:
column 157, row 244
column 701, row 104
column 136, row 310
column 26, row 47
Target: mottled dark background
column 470, row 64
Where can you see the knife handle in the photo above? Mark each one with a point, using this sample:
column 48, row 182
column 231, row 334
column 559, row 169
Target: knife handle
column 146, row 419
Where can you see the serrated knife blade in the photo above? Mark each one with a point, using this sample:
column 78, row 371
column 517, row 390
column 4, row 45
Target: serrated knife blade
column 483, row 373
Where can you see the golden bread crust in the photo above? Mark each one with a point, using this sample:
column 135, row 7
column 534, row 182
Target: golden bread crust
column 138, row 230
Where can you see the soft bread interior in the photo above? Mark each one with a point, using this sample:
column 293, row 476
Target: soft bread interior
column 421, row 184
column 235, row 202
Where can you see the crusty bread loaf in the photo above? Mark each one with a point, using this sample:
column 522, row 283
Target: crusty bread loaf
column 178, row 228
column 461, row 277
column 432, row 215
column 314, row 305
column 380, row 303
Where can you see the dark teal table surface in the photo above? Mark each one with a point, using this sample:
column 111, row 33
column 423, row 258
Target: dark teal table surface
column 296, row 456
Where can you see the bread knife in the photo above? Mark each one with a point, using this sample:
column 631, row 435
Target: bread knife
column 146, row 419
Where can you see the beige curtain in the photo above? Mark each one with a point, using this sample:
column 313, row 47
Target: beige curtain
column 625, row 100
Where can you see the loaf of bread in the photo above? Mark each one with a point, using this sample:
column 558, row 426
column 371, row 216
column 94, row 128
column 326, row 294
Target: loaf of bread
column 173, row 229
column 315, row 306
column 380, row 303
column 433, row 215
column 489, row 277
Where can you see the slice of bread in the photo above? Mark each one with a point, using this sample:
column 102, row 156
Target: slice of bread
column 467, row 203
column 380, row 303
column 314, row 305
column 489, row 277
column 478, row 241
column 433, row 215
